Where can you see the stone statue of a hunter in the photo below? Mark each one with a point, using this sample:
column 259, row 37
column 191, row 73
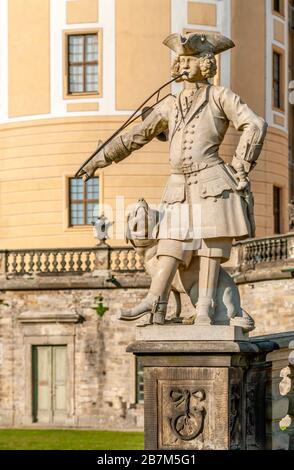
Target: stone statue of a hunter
column 210, row 200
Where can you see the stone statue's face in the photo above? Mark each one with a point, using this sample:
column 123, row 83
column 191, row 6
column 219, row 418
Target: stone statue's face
column 190, row 64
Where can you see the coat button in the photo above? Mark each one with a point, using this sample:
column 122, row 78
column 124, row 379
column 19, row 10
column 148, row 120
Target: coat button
column 193, row 125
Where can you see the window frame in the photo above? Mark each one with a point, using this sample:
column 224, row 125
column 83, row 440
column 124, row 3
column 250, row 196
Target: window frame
column 281, row 53
column 277, row 212
column 281, row 11
column 82, row 202
column 85, row 94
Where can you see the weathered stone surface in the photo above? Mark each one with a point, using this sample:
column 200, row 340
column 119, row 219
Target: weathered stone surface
column 102, row 378
column 204, row 405
column 104, row 374
column 174, row 332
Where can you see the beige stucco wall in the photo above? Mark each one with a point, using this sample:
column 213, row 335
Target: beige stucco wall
column 141, row 65
column 28, row 57
column 36, row 158
column 82, row 11
column 248, row 57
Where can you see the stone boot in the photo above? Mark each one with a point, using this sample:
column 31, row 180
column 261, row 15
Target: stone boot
column 159, row 312
column 140, row 310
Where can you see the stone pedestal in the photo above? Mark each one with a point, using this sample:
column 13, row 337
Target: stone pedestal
column 202, row 394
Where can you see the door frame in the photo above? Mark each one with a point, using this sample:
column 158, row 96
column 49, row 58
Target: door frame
column 52, row 412
column 29, row 342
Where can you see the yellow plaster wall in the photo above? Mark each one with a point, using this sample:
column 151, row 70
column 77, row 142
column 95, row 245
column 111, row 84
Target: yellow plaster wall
column 248, row 57
column 28, row 57
column 280, row 120
column 142, row 62
column 202, row 13
column 77, row 107
column 81, row 11
column 36, row 157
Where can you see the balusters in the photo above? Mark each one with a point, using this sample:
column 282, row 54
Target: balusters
column 71, row 262
column 88, row 261
column 38, row 261
column 133, row 260
column 116, row 260
column 79, row 261
column 284, row 248
column 14, row 263
column 46, row 262
column 22, row 266
column 267, row 251
column 30, row 262
column 55, row 262
column 141, row 263
column 124, row 260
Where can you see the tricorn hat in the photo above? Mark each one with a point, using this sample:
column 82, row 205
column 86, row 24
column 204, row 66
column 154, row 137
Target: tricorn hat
column 196, row 43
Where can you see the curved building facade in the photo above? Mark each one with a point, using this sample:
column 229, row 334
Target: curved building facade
column 72, row 71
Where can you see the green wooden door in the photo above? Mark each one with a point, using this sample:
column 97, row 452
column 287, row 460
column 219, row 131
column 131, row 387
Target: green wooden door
column 49, row 384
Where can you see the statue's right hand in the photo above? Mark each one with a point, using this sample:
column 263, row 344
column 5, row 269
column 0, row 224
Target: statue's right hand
column 85, row 174
column 88, row 170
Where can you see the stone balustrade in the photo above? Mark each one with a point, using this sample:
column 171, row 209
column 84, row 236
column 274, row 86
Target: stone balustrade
column 58, row 261
column 61, row 261
column 273, row 249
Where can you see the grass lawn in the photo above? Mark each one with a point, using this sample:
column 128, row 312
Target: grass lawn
column 64, row 439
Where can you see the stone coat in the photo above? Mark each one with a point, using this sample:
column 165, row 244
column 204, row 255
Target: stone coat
column 201, row 199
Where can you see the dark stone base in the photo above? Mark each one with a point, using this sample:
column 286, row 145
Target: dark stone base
column 204, row 395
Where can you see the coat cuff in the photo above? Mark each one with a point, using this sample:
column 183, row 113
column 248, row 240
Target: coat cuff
column 248, row 166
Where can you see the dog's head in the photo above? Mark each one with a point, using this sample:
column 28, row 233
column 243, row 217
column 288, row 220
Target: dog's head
column 141, row 224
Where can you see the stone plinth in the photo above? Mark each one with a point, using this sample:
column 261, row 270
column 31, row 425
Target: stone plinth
column 202, row 395
column 174, row 332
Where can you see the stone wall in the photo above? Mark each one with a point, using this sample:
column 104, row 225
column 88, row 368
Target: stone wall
column 103, row 373
column 271, row 303
column 102, row 378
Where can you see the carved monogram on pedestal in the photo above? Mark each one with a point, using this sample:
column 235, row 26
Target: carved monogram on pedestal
column 187, row 420
column 192, row 407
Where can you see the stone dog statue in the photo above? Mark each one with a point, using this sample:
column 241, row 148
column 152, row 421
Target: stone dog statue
column 142, row 222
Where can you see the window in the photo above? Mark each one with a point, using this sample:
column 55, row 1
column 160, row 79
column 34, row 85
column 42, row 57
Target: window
column 83, row 201
column 278, row 6
column 139, row 382
column 277, row 209
column 277, row 80
column 83, row 64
